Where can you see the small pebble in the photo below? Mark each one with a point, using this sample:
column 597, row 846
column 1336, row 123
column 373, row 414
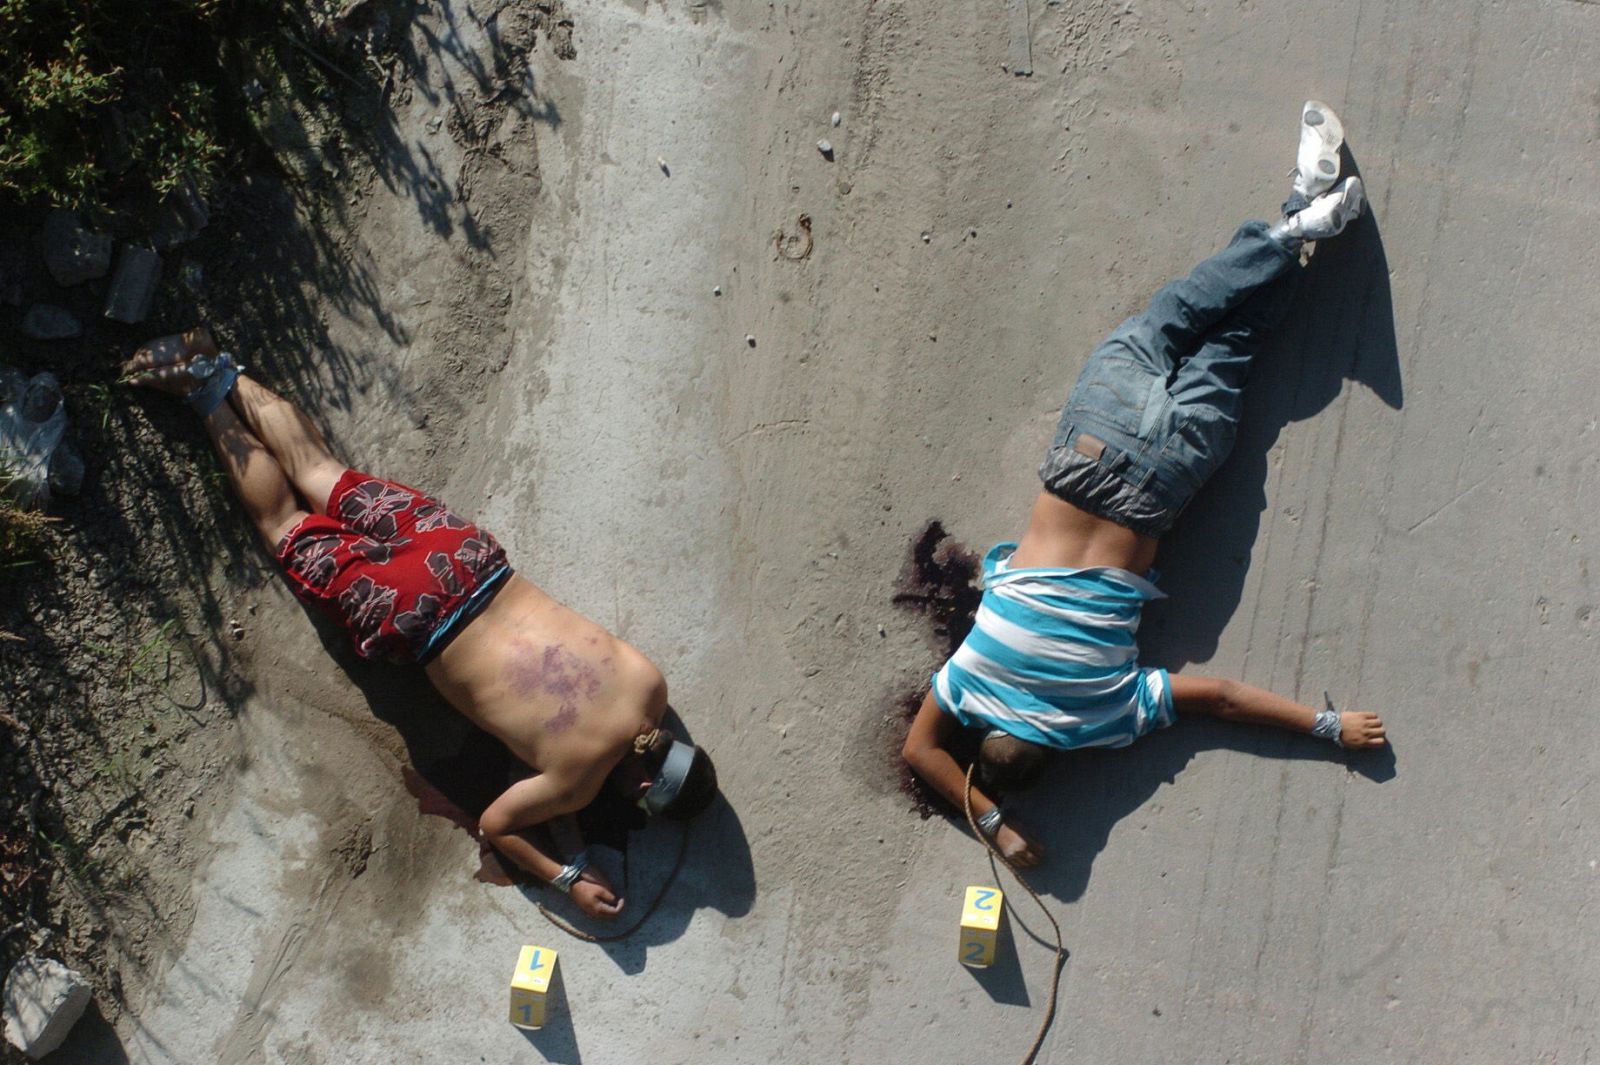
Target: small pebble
column 749, row 338
column 926, row 236
column 826, row 148
column 836, row 119
column 662, row 163
column 717, row 290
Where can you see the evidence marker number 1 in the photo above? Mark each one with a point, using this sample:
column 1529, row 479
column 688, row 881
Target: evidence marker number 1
column 980, row 925
column 530, row 986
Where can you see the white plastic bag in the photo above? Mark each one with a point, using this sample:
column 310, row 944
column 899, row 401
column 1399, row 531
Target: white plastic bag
column 33, row 420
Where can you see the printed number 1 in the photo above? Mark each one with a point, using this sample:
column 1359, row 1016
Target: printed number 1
column 984, row 901
column 974, row 953
column 535, row 963
column 527, row 1013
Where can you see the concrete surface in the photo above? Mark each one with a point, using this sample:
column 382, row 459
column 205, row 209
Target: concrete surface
column 1405, row 524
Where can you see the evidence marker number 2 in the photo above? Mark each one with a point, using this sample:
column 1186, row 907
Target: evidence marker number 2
column 980, row 925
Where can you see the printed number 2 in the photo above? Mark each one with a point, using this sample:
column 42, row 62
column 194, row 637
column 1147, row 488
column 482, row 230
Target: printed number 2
column 974, row 952
column 535, row 963
column 527, row 1013
column 985, row 899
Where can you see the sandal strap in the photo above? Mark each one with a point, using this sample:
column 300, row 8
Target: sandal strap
column 217, row 376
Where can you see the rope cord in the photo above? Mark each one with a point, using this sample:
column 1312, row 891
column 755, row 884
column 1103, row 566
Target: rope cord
column 1061, row 951
column 588, row 937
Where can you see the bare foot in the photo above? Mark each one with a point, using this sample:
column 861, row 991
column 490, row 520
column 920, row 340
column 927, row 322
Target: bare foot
column 163, row 363
column 1360, row 730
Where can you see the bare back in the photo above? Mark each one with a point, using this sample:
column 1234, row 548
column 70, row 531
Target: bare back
column 1064, row 536
column 562, row 693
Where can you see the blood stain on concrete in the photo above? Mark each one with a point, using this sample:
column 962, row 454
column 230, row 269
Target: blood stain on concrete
column 938, row 584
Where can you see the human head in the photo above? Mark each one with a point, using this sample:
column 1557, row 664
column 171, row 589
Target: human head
column 1006, row 762
column 668, row 776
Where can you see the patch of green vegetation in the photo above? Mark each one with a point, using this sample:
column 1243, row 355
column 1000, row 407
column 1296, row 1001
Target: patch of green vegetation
column 22, row 531
column 108, row 106
column 86, row 100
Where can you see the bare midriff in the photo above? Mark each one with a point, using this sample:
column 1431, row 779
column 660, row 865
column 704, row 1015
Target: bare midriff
column 550, row 684
column 1062, row 536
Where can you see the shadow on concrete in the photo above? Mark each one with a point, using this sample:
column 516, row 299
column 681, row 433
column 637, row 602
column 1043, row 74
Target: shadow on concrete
column 556, row 1040
column 1003, row 980
column 1083, row 795
column 92, row 1041
column 1340, row 327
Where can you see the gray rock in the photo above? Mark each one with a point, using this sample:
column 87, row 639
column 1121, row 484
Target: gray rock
column 72, row 254
column 183, row 215
column 45, row 321
column 133, row 286
column 66, row 471
column 40, row 397
column 43, row 1000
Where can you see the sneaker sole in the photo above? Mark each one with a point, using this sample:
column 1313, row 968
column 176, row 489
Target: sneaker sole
column 1324, row 162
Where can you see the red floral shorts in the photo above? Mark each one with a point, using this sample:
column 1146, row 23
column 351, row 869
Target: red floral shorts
column 395, row 567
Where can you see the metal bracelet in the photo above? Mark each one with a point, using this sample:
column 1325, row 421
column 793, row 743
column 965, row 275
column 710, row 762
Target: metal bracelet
column 989, row 823
column 570, row 873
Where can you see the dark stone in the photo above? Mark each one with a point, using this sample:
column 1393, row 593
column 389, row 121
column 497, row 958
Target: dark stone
column 41, row 398
column 183, row 215
column 47, row 322
column 133, row 286
column 66, row 471
column 72, row 254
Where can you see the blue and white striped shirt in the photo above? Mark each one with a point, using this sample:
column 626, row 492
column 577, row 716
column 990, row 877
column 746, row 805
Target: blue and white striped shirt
column 1052, row 658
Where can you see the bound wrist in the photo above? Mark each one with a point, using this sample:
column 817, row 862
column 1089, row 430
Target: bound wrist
column 570, row 873
column 989, row 823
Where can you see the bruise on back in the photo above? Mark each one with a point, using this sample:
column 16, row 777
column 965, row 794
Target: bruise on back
column 556, row 674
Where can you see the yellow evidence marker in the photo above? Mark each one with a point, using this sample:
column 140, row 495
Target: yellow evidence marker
column 980, row 926
column 530, row 984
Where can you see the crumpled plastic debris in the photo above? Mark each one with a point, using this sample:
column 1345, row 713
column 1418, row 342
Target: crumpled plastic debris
column 33, row 421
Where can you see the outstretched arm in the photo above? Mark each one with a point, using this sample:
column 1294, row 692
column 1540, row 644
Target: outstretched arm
column 534, row 801
column 1233, row 700
column 926, row 752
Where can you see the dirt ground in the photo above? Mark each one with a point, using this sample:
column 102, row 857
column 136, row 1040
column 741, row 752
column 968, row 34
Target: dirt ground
column 571, row 291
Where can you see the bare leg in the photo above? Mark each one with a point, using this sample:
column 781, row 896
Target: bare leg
column 1233, row 700
column 292, row 439
column 256, row 476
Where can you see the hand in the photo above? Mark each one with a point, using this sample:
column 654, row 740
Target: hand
column 1360, row 730
column 1017, row 848
column 594, row 897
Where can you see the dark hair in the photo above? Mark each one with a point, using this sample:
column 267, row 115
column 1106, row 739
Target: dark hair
column 699, row 788
column 1007, row 762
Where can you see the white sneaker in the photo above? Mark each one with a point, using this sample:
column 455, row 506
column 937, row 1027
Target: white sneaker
column 1329, row 213
column 1321, row 136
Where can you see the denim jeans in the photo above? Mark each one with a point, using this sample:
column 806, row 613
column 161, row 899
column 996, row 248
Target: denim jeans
column 1156, row 408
